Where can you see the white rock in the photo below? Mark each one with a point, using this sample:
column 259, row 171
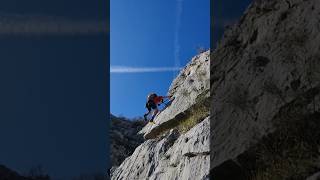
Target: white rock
column 173, row 157
column 191, row 83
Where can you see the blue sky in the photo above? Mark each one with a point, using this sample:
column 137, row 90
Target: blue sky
column 159, row 33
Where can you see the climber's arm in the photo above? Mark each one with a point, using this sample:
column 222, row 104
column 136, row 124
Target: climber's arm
column 166, row 97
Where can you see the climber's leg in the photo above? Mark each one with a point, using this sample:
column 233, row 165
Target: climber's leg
column 155, row 112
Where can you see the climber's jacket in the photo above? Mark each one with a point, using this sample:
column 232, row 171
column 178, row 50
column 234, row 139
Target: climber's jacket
column 153, row 100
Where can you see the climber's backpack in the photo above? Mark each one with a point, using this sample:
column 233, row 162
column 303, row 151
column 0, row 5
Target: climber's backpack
column 151, row 96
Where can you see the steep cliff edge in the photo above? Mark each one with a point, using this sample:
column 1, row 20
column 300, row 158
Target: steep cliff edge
column 265, row 88
column 177, row 147
column 191, row 92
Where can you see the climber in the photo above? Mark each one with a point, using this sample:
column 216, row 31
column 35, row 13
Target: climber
column 152, row 102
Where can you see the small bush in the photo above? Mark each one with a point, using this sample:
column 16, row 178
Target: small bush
column 197, row 116
column 183, row 122
column 138, row 123
column 201, row 49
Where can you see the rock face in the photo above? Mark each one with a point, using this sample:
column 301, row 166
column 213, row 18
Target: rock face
column 190, row 90
column 178, row 146
column 124, row 138
column 173, row 157
column 265, row 88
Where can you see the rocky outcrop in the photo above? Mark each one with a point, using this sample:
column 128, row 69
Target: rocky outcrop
column 124, row 138
column 265, row 88
column 177, row 147
column 191, row 92
column 172, row 156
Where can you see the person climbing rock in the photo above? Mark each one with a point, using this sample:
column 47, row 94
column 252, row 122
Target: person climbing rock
column 153, row 101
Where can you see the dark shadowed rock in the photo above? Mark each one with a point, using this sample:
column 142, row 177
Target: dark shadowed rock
column 124, row 138
column 265, row 80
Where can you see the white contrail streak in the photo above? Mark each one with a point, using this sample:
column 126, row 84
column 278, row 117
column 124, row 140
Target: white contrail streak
column 124, row 69
column 12, row 24
column 176, row 34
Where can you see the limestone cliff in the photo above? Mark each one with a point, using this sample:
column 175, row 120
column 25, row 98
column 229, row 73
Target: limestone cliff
column 177, row 147
column 265, row 88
